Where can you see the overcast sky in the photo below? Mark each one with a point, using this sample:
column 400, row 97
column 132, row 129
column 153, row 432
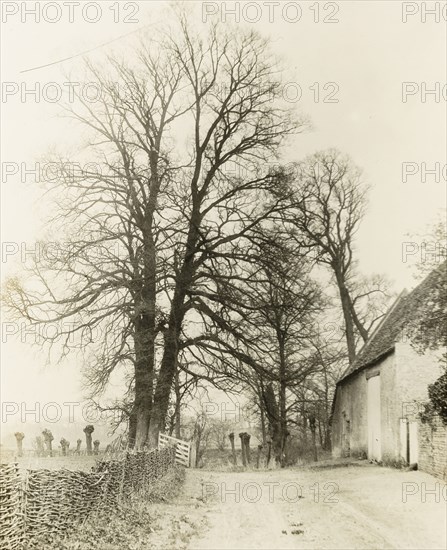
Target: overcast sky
column 376, row 68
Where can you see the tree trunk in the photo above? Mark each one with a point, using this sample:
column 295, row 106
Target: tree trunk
column 269, row 451
column 132, row 429
column 273, row 414
column 320, row 434
column 264, row 434
column 164, row 384
column 247, row 447
column 88, row 441
column 303, row 421
column 172, row 334
column 347, row 315
column 233, row 450
column 177, row 416
column 144, row 371
column 19, row 440
column 49, row 447
column 327, row 430
column 244, row 456
column 282, row 401
column 258, row 456
column 313, row 429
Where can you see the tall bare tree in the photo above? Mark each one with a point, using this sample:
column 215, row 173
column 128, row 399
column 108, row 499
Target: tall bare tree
column 327, row 207
column 157, row 203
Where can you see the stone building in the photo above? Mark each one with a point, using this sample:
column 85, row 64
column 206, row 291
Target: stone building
column 378, row 398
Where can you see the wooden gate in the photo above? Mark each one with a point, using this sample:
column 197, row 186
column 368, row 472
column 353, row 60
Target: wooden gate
column 182, row 448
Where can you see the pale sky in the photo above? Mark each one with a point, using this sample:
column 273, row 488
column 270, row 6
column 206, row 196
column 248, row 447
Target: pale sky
column 368, row 56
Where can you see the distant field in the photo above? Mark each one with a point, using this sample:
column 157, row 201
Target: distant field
column 83, row 463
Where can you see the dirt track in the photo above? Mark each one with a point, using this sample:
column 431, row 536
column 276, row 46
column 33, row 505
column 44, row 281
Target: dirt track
column 356, row 507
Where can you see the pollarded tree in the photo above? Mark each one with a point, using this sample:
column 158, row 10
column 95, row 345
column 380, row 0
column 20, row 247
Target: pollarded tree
column 20, row 436
column 88, row 430
column 78, row 446
column 96, row 444
column 158, row 201
column 64, row 446
column 48, row 439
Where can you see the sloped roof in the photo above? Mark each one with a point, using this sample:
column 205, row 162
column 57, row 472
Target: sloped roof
column 407, row 308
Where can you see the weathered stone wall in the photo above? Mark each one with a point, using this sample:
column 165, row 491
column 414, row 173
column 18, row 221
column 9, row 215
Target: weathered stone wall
column 350, row 407
column 404, row 377
column 389, row 409
column 351, row 404
column 433, row 447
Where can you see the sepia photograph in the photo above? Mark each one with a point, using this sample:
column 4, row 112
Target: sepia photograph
column 223, row 287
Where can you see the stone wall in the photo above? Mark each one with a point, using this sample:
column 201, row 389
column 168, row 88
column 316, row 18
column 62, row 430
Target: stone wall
column 350, row 412
column 433, row 447
column 404, row 377
column 349, row 422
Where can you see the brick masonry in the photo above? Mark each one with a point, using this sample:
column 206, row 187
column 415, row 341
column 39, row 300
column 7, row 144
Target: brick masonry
column 433, row 447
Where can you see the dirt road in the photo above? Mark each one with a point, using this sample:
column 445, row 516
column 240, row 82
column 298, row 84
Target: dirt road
column 356, row 507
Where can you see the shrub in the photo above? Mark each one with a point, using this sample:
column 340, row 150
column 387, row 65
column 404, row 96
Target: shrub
column 437, row 392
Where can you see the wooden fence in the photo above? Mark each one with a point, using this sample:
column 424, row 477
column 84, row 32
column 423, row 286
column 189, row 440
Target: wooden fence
column 182, row 448
column 39, row 506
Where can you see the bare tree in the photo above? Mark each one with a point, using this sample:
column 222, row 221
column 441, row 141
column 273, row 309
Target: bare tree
column 328, row 206
column 185, row 386
column 146, row 217
column 219, row 433
column 291, row 304
column 259, row 323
